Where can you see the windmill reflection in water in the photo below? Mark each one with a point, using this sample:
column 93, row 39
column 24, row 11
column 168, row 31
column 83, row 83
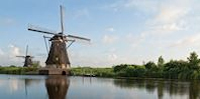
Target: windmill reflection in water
column 57, row 86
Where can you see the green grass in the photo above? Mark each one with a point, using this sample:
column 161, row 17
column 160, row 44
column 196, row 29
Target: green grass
column 17, row 70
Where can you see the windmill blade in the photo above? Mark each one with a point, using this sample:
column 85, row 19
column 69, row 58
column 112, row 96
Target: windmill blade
column 26, row 50
column 71, row 42
column 31, row 57
column 46, row 44
column 46, row 36
column 77, row 38
column 21, row 56
column 41, row 55
column 41, row 30
column 61, row 19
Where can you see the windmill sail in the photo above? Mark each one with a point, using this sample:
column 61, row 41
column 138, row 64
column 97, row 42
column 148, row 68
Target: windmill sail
column 41, row 30
column 61, row 19
column 21, row 56
column 78, row 38
column 26, row 50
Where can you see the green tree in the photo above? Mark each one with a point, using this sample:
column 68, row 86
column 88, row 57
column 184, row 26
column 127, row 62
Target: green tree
column 172, row 69
column 160, row 61
column 134, row 71
column 152, row 70
column 119, row 68
column 150, row 65
column 193, row 60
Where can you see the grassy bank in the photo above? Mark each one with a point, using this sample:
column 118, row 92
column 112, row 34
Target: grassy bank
column 98, row 72
column 17, row 70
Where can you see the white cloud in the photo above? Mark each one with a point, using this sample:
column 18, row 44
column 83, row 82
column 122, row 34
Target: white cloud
column 172, row 27
column 167, row 17
column 188, row 41
column 110, row 29
column 109, row 39
column 171, row 12
column 1, row 52
column 9, row 57
column 112, row 57
column 171, row 16
column 14, row 51
column 164, row 29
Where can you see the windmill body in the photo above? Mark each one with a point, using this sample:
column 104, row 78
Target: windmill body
column 57, row 61
column 28, row 61
column 58, row 56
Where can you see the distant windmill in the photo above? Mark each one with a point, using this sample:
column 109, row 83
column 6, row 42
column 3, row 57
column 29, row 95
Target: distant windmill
column 28, row 59
column 58, row 56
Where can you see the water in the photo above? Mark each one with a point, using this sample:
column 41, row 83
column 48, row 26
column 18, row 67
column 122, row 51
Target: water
column 62, row 87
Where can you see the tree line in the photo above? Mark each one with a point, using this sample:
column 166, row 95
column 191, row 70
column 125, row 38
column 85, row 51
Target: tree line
column 174, row 69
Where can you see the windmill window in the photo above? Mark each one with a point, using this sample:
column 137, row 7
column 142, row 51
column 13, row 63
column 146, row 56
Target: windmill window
column 57, row 58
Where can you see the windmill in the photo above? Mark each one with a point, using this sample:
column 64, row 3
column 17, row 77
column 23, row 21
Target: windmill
column 28, row 59
column 57, row 54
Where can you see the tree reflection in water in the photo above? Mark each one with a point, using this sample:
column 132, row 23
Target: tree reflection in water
column 57, row 86
column 172, row 87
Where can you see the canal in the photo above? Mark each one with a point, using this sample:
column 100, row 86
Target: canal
column 63, row 87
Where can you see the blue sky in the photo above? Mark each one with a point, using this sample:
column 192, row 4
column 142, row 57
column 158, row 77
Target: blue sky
column 122, row 31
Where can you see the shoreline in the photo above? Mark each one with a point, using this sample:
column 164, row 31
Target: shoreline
column 121, row 78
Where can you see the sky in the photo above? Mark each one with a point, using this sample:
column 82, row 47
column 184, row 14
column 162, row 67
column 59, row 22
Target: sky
column 121, row 31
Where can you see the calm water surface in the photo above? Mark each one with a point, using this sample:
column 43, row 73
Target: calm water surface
column 63, row 87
